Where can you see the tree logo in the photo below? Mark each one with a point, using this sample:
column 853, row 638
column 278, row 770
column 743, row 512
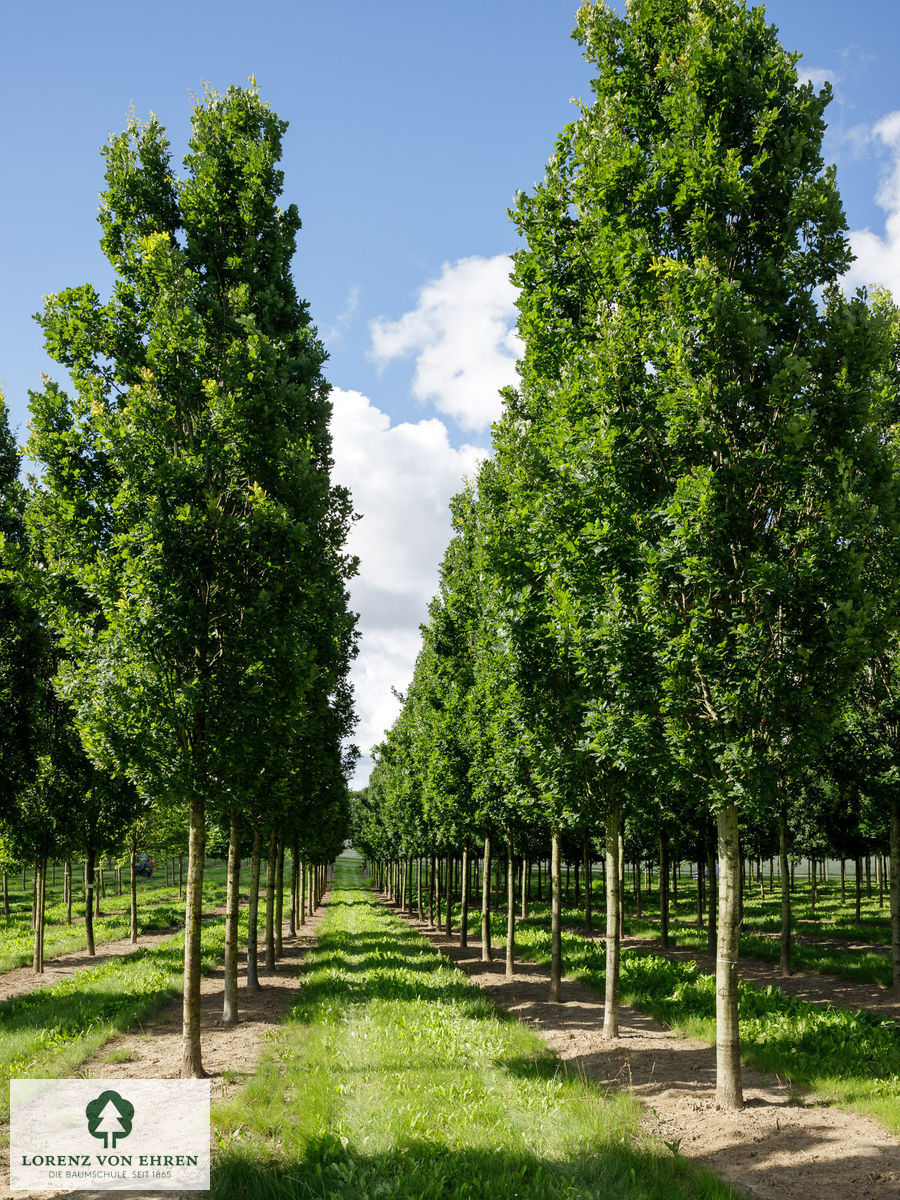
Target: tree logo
column 109, row 1116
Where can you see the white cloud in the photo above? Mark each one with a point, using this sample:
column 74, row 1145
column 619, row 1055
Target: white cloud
column 878, row 256
column 462, row 335
column 817, row 76
column 401, row 478
column 344, row 318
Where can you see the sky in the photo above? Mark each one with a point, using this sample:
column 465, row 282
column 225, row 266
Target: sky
column 413, row 123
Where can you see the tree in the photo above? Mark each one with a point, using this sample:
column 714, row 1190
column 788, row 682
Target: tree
column 670, row 298
column 186, row 502
column 21, row 640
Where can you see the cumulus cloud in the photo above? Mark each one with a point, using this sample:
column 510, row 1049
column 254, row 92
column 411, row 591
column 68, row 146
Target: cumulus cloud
column 878, row 255
column 817, row 76
column 402, row 478
column 462, row 335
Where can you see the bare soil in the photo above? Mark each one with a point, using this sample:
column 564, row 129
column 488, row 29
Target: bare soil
column 230, row 1054
column 781, row 1146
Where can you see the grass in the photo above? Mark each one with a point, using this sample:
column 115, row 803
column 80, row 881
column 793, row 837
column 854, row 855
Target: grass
column 862, row 966
column 395, row 1078
column 850, row 1058
column 158, row 908
column 832, row 921
column 48, row 1033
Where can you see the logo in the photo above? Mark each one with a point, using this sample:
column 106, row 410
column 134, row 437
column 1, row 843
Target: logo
column 85, row 1134
column 109, row 1116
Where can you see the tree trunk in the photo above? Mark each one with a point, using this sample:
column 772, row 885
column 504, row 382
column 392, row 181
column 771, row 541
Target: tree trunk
column 613, row 919
column 486, row 955
column 664, row 891
column 621, row 885
column 463, row 899
column 510, row 906
column 526, row 880
column 785, row 897
column 431, row 875
column 279, row 899
column 6, row 898
column 302, row 891
column 40, row 875
column 448, row 888
column 253, row 915
column 232, row 908
column 843, row 881
column 858, row 872
column 270, row 904
column 89, row 901
column 894, row 882
column 295, row 858
column 555, row 917
column 132, row 868
column 588, row 886
column 419, row 910
column 191, row 1062
column 69, row 891
column 712, row 892
column 729, row 1094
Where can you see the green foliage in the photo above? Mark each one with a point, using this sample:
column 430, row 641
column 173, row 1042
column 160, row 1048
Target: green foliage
column 20, row 637
column 185, row 507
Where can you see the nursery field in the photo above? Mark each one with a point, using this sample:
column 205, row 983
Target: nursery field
column 392, row 1075
column 395, row 1077
column 160, row 906
column 850, row 1057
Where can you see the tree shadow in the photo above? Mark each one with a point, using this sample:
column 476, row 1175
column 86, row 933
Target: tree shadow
column 418, row 1169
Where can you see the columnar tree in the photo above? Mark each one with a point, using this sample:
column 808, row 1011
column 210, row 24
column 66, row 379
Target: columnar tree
column 21, row 638
column 187, row 507
column 677, row 252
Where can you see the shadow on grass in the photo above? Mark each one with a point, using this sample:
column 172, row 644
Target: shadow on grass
column 419, row 1169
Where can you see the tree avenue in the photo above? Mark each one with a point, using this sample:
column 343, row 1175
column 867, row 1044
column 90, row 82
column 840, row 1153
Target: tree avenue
column 694, row 499
column 185, row 508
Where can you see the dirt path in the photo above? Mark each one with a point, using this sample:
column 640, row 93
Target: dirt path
column 22, row 980
column 780, row 1147
column 153, row 1051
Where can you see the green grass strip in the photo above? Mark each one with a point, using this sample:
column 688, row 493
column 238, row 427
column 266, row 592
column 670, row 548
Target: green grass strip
column 158, row 908
column 861, row 966
column 48, row 1033
column 397, row 1079
column 850, row 1058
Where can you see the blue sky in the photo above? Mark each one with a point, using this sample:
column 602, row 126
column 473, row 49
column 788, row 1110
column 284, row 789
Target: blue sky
column 412, row 124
